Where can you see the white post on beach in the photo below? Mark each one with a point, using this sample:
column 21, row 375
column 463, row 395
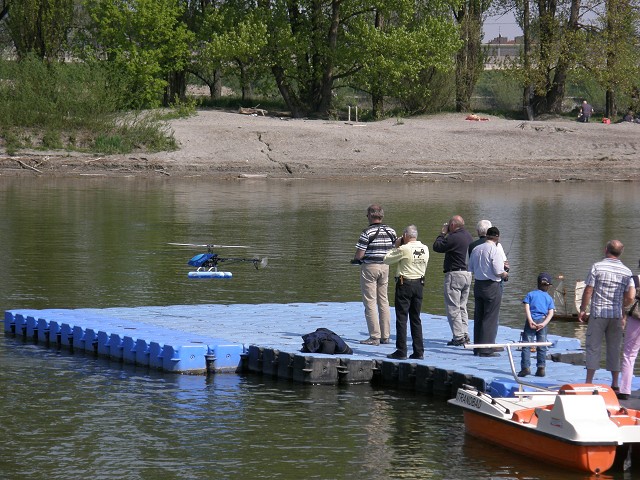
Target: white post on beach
column 349, row 113
column 356, row 114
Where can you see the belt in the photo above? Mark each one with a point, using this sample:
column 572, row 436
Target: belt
column 455, row 270
column 402, row 280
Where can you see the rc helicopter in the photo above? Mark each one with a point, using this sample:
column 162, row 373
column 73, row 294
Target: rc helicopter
column 207, row 263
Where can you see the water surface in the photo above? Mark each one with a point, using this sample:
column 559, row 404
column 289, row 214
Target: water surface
column 96, row 242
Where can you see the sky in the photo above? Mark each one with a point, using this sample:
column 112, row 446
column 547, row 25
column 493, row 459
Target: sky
column 504, row 25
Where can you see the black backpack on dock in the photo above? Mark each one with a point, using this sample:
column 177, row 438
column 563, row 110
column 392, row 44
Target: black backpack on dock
column 324, row 340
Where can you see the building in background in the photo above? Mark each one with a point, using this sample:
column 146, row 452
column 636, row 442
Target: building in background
column 500, row 49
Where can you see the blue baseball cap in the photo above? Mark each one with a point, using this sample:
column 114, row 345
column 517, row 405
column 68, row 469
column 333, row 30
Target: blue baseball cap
column 545, row 278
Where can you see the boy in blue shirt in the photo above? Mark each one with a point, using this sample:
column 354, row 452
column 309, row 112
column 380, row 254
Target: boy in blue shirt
column 538, row 308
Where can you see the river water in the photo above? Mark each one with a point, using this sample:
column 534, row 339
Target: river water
column 97, row 242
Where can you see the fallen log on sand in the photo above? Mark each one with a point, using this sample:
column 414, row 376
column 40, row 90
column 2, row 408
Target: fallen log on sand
column 252, row 111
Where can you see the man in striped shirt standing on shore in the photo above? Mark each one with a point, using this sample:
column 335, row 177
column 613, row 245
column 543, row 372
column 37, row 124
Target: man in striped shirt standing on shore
column 374, row 243
column 609, row 289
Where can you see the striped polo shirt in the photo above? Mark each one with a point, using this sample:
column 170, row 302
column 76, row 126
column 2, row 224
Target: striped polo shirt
column 376, row 240
column 610, row 278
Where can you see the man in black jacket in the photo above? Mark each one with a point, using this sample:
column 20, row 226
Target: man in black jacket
column 454, row 242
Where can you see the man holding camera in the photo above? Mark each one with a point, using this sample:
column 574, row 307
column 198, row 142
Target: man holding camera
column 411, row 258
column 454, row 242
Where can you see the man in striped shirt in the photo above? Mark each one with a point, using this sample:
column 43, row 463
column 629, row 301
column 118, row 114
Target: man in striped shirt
column 609, row 289
column 374, row 243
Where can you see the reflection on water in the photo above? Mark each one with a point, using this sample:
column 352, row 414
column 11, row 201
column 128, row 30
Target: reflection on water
column 102, row 243
column 77, row 417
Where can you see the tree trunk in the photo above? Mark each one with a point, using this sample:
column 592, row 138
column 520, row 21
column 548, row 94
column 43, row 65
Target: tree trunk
column 469, row 58
column 5, row 10
column 287, row 93
column 613, row 15
column 176, row 89
column 377, row 105
column 527, row 93
column 610, row 108
column 215, row 88
column 556, row 93
column 377, row 98
column 245, row 85
column 326, row 89
column 547, row 12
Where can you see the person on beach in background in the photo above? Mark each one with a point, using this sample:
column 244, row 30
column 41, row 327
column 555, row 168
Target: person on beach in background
column 609, row 289
column 538, row 309
column 585, row 112
column 373, row 244
column 487, row 267
column 411, row 257
column 454, row 242
column 631, row 343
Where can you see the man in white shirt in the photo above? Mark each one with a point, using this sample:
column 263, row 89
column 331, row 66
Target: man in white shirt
column 487, row 265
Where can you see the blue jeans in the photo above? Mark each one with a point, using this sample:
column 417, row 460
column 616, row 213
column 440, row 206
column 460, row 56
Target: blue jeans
column 530, row 335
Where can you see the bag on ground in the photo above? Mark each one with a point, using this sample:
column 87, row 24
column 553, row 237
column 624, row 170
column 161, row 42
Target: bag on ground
column 324, row 340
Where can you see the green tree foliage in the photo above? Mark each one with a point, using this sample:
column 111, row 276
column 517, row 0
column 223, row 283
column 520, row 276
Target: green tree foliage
column 378, row 47
column 79, row 110
column 613, row 55
column 145, row 39
column 394, row 55
column 555, row 42
column 469, row 58
column 232, row 40
column 568, row 40
column 39, row 27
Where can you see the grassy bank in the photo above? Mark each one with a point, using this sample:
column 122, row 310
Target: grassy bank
column 75, row 107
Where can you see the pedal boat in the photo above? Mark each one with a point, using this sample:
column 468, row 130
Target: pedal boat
column 579, row 426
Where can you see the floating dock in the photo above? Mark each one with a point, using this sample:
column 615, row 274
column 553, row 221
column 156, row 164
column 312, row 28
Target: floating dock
column 267, row 338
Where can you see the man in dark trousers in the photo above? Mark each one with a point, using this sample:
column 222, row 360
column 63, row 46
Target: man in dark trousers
column 454, row 242
column 412, row 257
column 585, row 111
column 487, row 266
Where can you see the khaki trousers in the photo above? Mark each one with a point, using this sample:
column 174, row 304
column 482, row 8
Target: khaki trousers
column 374, row 283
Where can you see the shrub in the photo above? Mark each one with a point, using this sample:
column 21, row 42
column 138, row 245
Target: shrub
column 79, row 102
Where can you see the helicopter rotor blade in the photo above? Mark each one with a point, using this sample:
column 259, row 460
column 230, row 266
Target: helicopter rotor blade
column 258, row 263
column 206, row 245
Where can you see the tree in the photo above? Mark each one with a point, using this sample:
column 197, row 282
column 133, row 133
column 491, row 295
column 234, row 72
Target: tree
column 200, row 66
column 4, row 9
column 554, row 43
column 393, row 58
column 232, row 41
column 368, row 44
column 40, row 27
column 614, row 58
column 469, row 59
column 146, row 40
column 560, row 44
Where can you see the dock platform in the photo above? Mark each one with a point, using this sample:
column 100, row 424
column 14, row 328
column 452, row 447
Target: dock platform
column 266, row 339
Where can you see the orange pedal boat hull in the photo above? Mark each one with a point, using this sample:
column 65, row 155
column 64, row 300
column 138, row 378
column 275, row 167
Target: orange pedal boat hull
column 531, row 443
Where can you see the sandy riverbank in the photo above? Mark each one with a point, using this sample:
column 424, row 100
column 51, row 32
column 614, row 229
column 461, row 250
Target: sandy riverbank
column 444, row 147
